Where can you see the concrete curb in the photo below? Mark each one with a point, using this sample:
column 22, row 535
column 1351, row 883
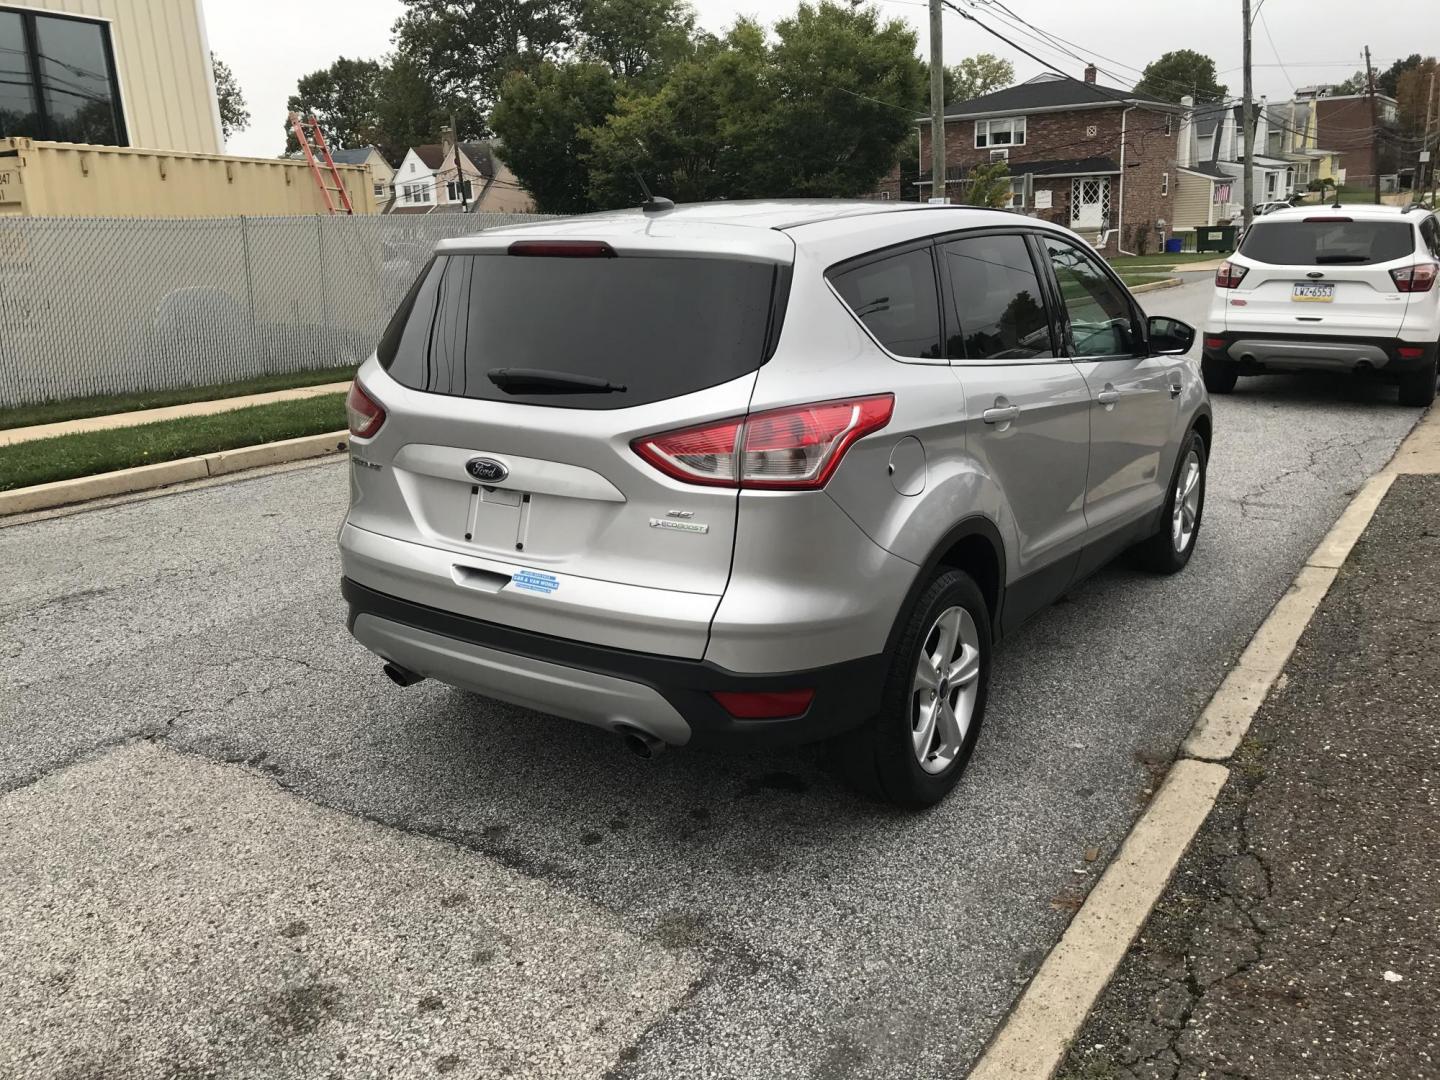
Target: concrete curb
column 165, row 473
column 1047, row 1017
column 1168, row 283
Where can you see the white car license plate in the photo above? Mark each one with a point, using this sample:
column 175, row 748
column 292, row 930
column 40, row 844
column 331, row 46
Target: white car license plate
column 1308, row 292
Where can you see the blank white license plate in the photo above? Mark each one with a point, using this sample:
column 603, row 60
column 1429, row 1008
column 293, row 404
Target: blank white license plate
column 1310, row 293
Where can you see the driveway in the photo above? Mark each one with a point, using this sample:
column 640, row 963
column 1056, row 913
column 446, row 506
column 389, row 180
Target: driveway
column 765, row 921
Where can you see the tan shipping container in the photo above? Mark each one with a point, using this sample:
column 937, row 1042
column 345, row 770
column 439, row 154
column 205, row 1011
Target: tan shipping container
column 48, row 179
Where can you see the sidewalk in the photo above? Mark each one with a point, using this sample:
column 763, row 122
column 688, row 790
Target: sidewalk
column 10, row 436
column 1300, row 936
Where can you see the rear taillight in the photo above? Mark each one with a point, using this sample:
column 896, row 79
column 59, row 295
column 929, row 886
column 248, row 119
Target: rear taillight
column 1214, row 343
column 1417, row 278
column 1410, row 352
column 1229, row 275
column 364, row 412
column 764, row 704
column 796, row 448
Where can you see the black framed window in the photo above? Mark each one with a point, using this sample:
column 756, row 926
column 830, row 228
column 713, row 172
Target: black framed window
column 57, row 79
column 895, row 297
column 997, row 300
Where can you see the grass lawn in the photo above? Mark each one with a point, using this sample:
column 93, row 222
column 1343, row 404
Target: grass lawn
column 43, row 460
column 1132, row 278
column 52, row 412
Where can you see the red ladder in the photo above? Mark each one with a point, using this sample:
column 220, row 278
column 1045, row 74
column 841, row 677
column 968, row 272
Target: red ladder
column 312, row 141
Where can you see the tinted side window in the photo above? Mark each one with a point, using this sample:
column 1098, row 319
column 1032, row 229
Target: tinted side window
column 896, row 299
column 1430, row 230
column 998, row 302
column 1101, row 318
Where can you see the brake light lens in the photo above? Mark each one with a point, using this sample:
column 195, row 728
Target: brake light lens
column 1214, row 343
column 563, row 249
column 1413, row 279
column 1410, row 352
column 797, row 448
column 364, row 412
column 764, row 704
column 1230, row 275
column 1330, row 219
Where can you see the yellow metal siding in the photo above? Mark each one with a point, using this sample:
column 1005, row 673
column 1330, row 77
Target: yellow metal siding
column 66, row 179
column 1192, row 201
column 163, row 68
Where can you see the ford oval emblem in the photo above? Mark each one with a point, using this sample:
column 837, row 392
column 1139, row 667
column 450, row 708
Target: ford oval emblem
column 486, row 470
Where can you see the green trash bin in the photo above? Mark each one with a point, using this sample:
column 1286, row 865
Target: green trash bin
column 1219, row 238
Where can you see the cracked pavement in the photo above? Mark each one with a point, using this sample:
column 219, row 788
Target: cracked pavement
column 829, row 937
column 1300, row 936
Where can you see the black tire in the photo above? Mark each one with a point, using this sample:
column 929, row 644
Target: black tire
column 1159, row 553
column 880, row 757
column 1418, row 387
column 1220, row 375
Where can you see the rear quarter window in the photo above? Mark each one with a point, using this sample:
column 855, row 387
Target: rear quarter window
column 1322, row 243
column 897, row 299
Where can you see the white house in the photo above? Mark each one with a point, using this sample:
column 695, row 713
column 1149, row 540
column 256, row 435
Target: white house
column 429, row 181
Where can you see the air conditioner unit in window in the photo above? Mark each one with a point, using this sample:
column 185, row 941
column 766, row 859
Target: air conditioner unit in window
column 999, row 155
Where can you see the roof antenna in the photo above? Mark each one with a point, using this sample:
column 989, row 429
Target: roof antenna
column 653, row 204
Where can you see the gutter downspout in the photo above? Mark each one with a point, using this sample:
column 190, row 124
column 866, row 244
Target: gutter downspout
column 1120, row 214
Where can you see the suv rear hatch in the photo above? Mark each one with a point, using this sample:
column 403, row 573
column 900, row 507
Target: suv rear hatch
column 1324, row 274
column 516, row 374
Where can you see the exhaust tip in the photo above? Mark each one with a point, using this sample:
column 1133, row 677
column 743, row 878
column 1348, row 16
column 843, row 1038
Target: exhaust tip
column 641, row 743
column 401, row 676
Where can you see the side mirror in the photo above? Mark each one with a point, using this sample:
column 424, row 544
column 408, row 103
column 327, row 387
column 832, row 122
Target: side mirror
column 1169, row 337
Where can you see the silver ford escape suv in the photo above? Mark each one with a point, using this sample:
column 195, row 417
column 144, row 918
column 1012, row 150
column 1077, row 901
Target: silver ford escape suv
column 751, row 474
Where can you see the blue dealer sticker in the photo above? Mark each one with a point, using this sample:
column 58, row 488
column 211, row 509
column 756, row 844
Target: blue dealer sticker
column 535, row 581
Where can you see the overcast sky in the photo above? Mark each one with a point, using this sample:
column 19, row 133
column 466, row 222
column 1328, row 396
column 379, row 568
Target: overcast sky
column 271, row 43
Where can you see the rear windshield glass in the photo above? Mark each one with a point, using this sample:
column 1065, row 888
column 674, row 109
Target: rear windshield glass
column 1321, row 243
column 526, row 329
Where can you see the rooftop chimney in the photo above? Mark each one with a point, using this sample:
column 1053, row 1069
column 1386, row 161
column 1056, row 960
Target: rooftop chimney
column 1090, row 73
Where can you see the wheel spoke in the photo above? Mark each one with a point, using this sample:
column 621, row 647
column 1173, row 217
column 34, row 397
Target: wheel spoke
column 966, row 668
column 1192, row 479
column 1187, row 516
column 927, row 677
column 949, row 625
column 949, row 725
column 924, row 735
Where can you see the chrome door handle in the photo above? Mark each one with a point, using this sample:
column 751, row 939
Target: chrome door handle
column 1108, row 397
column 1001, row 415
column 1174, row 390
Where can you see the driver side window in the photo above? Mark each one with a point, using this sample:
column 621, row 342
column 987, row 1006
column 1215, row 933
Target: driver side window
column 1101, row 317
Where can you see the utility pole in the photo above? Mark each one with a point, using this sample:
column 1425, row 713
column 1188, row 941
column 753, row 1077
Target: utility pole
column 1247, row 122
column 459, row 173
column 1427, row 154
column 1374, row 124
column 937, row 106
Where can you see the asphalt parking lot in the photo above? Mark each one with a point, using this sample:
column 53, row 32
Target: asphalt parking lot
column 712, row 916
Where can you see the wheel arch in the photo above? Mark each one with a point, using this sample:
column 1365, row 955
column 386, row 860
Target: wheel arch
column 975, row 546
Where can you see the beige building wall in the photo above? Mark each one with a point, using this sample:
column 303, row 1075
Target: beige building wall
column 162, row 61
column 505, row 195
column 1193, row 201
column 70, row 180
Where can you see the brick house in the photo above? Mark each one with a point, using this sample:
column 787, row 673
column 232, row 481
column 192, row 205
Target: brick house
column 1096, row 159
column 1343, row 123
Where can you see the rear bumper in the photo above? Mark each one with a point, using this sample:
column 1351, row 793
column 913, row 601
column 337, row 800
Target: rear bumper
column 668, row 697
column 1317, row 352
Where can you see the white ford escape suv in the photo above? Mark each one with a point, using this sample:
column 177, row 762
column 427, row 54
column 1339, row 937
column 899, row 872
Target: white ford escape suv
column 1342, row 288
column 756, row 473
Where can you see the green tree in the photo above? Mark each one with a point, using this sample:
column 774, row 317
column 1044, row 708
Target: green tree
column 820, row 112
column 976, row 75
column 469, row 47
column 1353, row 85
column 1411, row 92
column 234, row 116
column 634, row 38
column 1181, row 72
column 1388, row 81
column 989, row 185
column 344, row 98
column 408, row 110
column 544, row 119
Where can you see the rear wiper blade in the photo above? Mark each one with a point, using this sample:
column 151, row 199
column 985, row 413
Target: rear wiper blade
column 519, row 380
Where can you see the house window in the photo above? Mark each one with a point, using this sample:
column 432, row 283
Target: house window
column 1169, row 124
column 415, row 193
column 379, row 191
column 452, row 191
column 57, row 80
column 1165, row 183
column 1007, row 132
column 1017, row 193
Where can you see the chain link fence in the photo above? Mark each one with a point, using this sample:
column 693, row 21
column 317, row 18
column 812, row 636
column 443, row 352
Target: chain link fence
column 118, row 305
